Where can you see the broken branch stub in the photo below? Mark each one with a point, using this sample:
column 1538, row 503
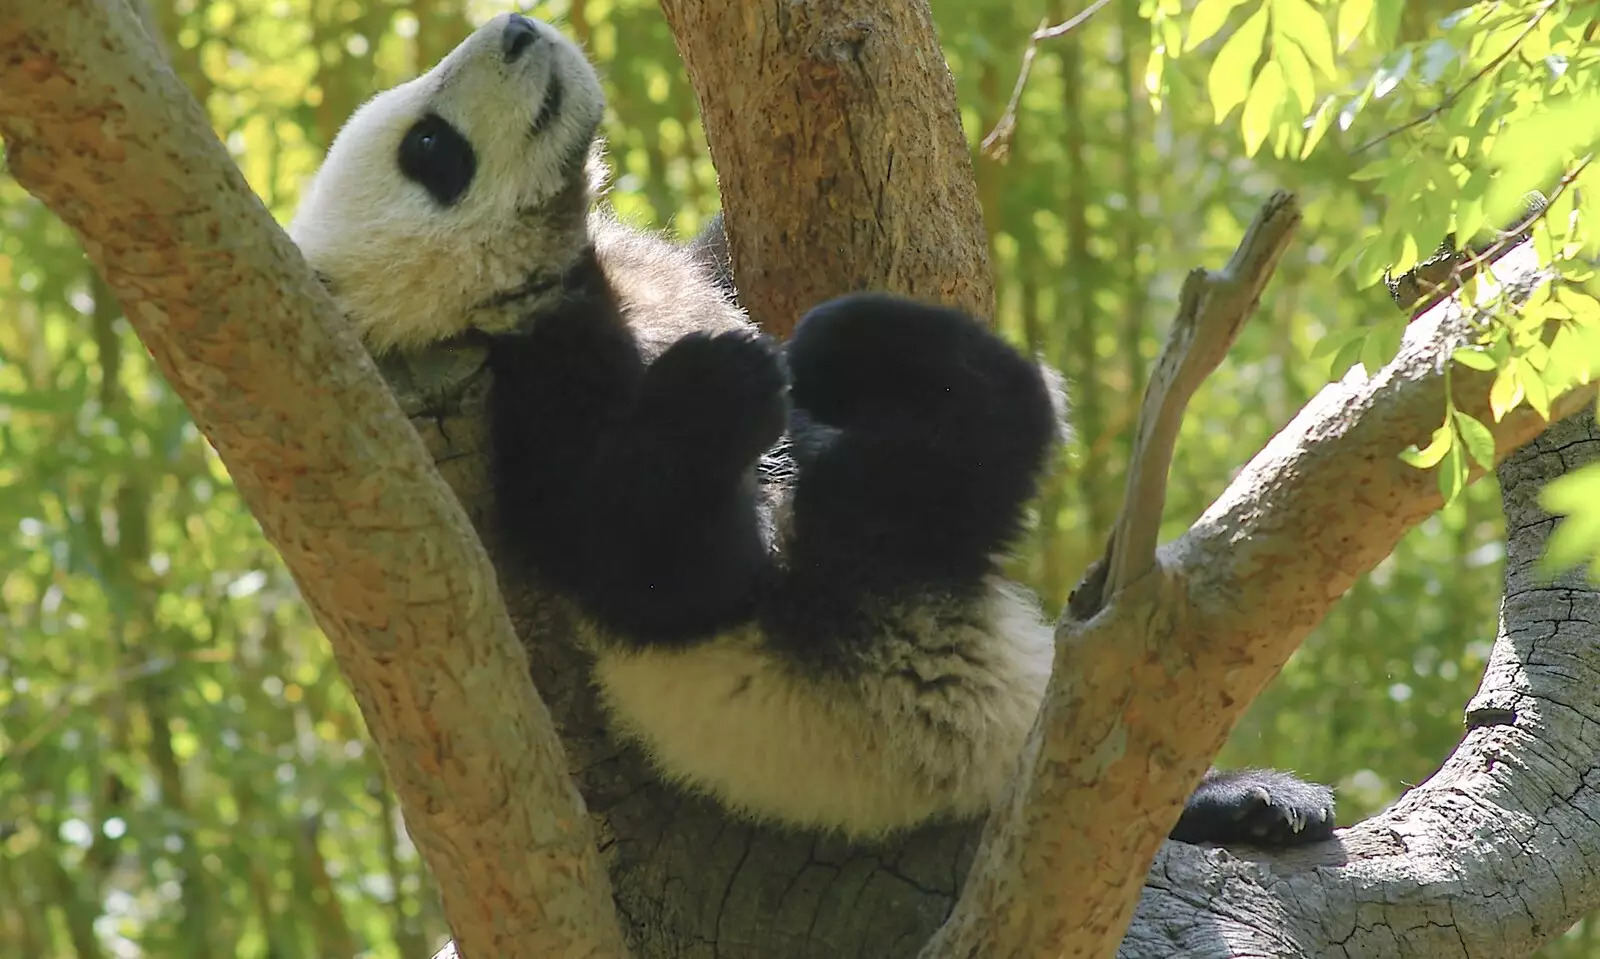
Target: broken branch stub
column 1212, row 309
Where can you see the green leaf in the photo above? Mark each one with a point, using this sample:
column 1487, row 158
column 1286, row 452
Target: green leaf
column 1379, row 168
column 1533, row 384
column 1319, row 127
column 1305, row 25
column 1576, row 539
column 1355, row 251
column 1209, row 16
column 1535, row 46
column 1353, row 17
column 1470, row 218
column 1262, row 107
column 1347, row 357
column 1382, row 344
column 1506, row 393
column 1572, row 360
column 1335, row 341
column 1229, row 80
column 1297, row 75
column 1153, row 71
column 1477, row 439
column 1474, row 359
column 1443, row 440
column 1452, row 475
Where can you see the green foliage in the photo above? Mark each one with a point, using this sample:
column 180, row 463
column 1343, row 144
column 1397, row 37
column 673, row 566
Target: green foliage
column 182, row 771
column 1451, row 124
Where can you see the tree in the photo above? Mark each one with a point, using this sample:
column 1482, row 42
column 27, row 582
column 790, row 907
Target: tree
column 314, row 460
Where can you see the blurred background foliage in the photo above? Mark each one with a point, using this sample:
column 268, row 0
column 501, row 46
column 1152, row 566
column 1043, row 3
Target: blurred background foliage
column 184, row 774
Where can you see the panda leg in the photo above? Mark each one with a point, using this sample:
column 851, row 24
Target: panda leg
column 625, row 486
column 1257, row 807
column 919, row 438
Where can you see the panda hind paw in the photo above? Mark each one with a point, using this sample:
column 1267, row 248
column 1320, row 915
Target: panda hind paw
column 1257, row 807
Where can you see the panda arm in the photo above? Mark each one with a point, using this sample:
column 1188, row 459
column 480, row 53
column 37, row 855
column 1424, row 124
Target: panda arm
column 674, row 498
column 623, row 486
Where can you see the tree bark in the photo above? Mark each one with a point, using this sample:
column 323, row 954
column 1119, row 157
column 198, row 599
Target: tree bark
column 100, row 129
column 840, row 154
column 1490, row 858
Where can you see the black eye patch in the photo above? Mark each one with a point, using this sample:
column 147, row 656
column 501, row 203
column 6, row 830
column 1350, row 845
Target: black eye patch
column 435, row 156
column 550, row 107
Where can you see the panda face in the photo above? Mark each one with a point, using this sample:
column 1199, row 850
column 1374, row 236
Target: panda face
column 445, row 191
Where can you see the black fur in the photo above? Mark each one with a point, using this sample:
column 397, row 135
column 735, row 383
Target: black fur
column 921, row 440
column 435, row 155
column 624, row 486
column 908, row 437
column 1261, row 807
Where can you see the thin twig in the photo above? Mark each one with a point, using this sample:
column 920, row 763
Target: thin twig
column 996, row 143
column 1515, row 235
column 1469, row 262
column 1455, row 94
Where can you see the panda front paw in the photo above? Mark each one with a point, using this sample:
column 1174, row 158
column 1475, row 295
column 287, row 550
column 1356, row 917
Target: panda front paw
column 718, row 398
column 1256, row 807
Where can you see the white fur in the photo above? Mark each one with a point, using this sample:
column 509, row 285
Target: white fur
column 407, row 272
column 932, row 731
column 932, row 725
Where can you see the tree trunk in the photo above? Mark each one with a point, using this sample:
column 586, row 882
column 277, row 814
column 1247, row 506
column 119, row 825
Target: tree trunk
column 839, row 150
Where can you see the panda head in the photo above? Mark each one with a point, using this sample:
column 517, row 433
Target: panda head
column 443, row 201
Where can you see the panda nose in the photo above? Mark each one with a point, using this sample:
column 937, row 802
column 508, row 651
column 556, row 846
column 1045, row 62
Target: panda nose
column 519, row 35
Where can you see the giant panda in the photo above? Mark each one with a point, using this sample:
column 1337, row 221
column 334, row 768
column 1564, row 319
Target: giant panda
column 785, row 558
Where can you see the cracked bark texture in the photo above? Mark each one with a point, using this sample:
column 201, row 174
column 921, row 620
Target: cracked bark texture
column 1495, row 854
column 839, row 151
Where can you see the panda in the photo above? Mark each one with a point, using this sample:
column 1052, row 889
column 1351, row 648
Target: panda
column 785, row 558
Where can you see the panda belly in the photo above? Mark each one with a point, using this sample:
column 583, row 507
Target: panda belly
column 929, row 725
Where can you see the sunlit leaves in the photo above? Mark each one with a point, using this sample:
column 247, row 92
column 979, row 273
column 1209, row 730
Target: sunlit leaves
column 1299, row 23
column 1318, row 126
column 1456, row 444
column 1533, row 149
column 1353, row 17
column 1297, row 76
column 1261, row 106
column 1208, row 17
column 1232, row 71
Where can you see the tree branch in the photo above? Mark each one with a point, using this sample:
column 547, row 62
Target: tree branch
column 1323, row 503
column 1490, row 858
column 1212, row 309
column 842, row 161
column 998, row 143
column 99, row 129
